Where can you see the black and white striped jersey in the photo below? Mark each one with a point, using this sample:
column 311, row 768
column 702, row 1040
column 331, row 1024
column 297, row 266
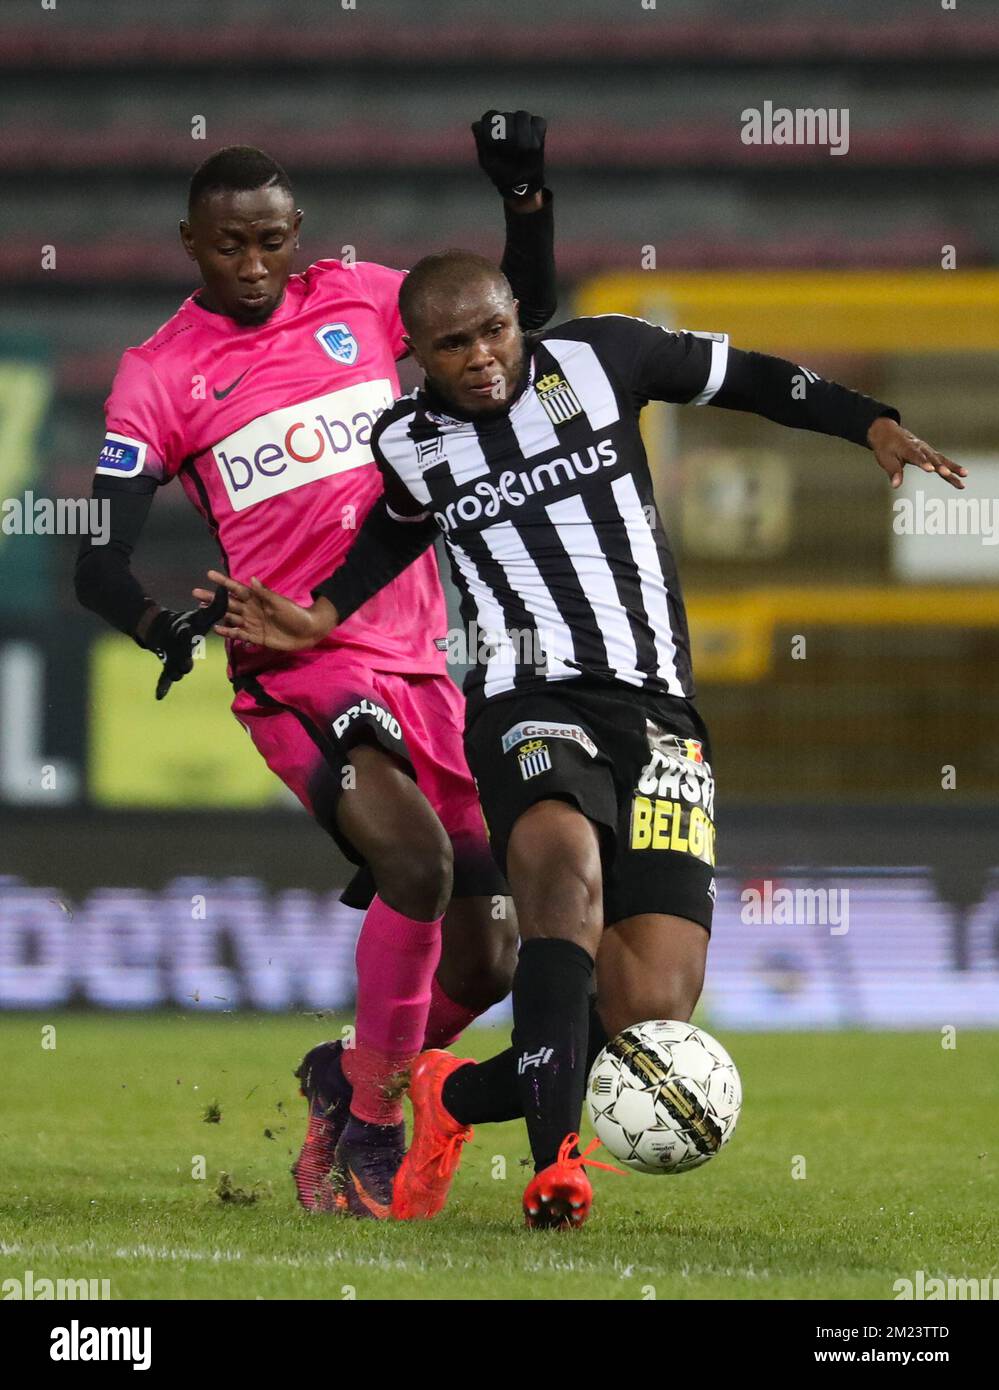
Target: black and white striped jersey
column 556, row 546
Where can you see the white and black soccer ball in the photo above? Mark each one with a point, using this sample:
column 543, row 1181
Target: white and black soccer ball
column 664, row 1096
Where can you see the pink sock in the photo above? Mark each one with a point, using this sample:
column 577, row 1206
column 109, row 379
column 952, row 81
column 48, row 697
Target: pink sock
column 447, row 1020
column 396, row 960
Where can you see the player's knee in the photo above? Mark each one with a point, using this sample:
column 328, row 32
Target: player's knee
column 415, row 876
column 490, row 974
column 480, row 984
column 567, row 901
column 673, row 997
column 480, row 951
column 579, row 882
column 555, row 890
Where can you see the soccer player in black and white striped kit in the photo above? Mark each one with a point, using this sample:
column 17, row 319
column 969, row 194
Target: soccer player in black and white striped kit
column 592, row 762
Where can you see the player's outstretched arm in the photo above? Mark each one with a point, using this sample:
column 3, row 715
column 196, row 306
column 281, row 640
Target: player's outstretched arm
column 391, row 537
column 105, row 583
column 386, row 544
column 268, row 619
column 702, row 369
column 511, row 150
column 781, row 391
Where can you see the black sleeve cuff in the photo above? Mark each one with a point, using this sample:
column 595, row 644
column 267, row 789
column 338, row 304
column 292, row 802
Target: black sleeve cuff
column 529, row 262
column 106, row 585
column 382, row 550
column 768, row 386
column 345, row 590
column 876, row 414
column 103, row 578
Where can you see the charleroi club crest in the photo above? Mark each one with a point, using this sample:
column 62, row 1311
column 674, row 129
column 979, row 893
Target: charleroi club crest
column 534, row 758
column 558, row 398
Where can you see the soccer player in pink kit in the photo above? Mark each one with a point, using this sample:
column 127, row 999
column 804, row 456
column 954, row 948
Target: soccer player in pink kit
column 260, row 394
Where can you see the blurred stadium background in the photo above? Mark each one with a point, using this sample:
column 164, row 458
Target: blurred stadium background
column 832, row 770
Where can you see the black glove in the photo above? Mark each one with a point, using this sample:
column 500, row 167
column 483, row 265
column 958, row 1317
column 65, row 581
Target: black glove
column 172, row 637
column 511, row 146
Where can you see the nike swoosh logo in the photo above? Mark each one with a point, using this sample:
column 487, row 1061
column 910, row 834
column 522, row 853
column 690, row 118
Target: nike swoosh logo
column 376, row 1209
column 221, row 395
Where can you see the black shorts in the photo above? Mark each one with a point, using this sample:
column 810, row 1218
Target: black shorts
column 636, row 765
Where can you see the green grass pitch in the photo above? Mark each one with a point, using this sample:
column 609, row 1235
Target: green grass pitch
column 99, row 1137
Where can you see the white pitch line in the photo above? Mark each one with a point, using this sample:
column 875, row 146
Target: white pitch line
column 168, row 1254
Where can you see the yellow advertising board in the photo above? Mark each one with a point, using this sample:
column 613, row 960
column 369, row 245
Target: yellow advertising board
column 796, row 312
column 184, row 751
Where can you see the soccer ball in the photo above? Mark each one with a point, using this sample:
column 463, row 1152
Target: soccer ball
column 663, row 1096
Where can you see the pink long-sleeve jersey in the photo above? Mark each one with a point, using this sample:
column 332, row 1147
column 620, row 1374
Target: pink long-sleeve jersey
column 269, row 429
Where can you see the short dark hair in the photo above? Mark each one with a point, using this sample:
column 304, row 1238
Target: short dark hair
column 236, row 167
column 443, row 270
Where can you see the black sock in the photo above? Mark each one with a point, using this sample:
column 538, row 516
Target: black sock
column 484, row 1093
column 489, row 1092
column 598, row 1035
column 551, row 994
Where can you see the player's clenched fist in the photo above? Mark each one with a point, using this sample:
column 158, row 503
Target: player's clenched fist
column 511, row 146
column 257, row 614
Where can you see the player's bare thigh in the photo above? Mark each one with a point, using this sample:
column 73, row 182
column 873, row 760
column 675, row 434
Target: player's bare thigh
column 479, row 950
column 391, row 823
column 650, row 966
column 383, row 813
column 553, row 865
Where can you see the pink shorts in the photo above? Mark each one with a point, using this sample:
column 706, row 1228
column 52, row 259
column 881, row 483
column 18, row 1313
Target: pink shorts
column 305, row 716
